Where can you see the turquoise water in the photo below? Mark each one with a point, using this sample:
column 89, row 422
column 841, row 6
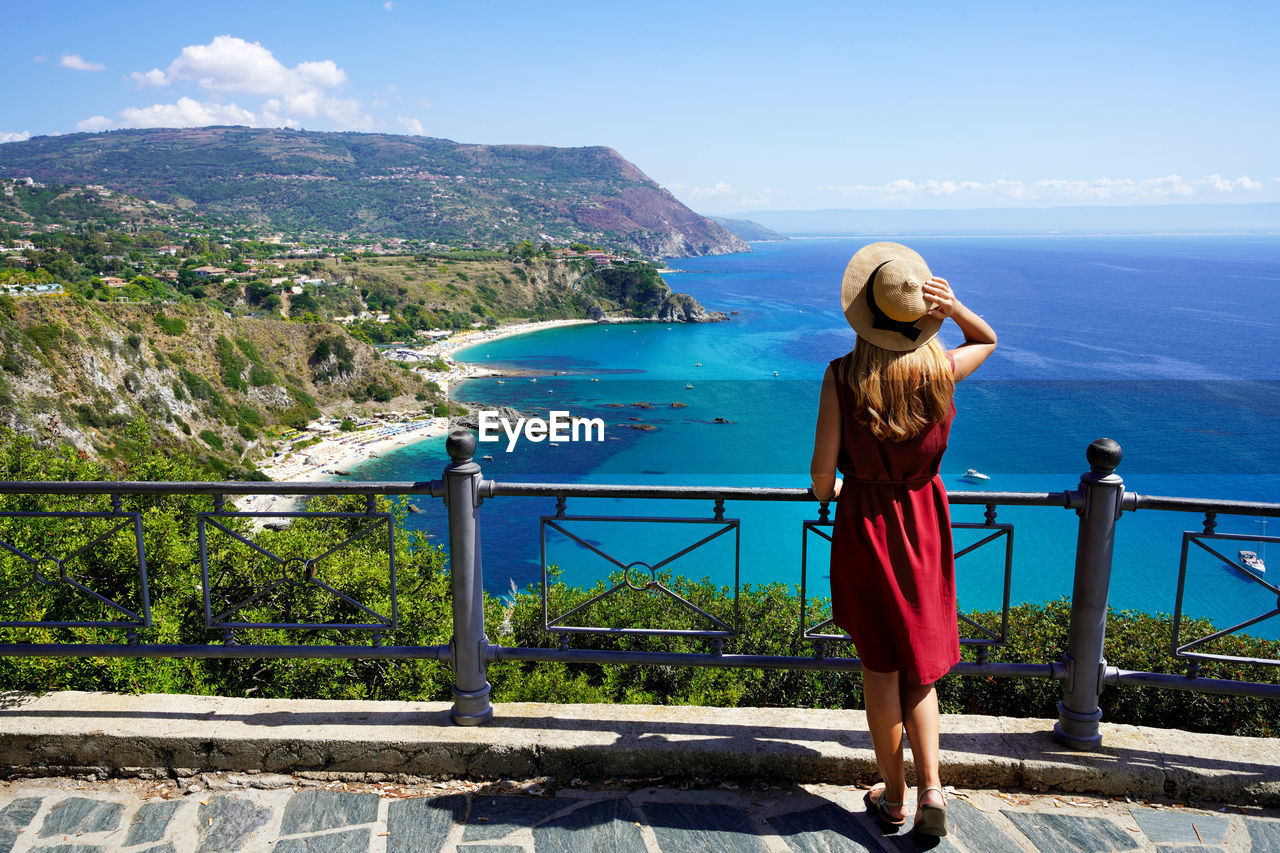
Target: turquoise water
column 1166, row 344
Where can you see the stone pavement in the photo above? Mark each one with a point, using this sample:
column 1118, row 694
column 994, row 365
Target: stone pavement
column 264, row 812
column 152, row 774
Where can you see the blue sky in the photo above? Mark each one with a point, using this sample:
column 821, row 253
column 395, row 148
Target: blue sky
column 732, row 106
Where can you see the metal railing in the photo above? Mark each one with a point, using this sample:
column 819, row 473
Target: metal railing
column 1084, row 672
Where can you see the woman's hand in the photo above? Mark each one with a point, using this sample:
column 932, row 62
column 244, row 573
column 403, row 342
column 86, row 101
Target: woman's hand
column 938, row 291
column 979, row 337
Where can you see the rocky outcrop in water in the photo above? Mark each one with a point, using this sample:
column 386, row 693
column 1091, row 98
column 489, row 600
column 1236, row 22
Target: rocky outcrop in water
column 683, row 308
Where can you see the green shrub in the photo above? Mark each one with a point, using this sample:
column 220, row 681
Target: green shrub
column 212, row 439
column 171, row 325
column 259, row 376
column 250, row 351
column 231, row 363
column 46, row 336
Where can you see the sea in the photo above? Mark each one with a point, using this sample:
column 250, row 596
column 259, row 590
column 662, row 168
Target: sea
column 1167, row 344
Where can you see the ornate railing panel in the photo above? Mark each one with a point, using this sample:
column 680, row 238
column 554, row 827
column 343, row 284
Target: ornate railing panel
column 46, row 571
column 985, row 639
column 280, row 578
column 1204, row 541
column 634, row 580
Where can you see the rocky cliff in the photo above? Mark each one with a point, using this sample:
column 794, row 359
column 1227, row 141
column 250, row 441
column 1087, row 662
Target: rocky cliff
column 208, row 384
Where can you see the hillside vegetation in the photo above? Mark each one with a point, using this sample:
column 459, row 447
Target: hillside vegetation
column 383, row 185
column 113, row 309
column 215, row 387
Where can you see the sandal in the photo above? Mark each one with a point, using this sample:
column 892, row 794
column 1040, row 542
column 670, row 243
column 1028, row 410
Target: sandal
column 931, row 819
column 882, row 806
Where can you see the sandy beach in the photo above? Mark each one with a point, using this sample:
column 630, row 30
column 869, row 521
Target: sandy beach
column 341, row 451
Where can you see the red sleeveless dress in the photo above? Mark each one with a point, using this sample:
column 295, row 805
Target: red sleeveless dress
column 892, row 566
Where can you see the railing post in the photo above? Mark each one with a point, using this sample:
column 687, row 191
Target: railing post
column 462, row 481
column 1101, row 489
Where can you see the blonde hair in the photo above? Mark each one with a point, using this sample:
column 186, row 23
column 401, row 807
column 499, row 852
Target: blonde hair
column 899, row 394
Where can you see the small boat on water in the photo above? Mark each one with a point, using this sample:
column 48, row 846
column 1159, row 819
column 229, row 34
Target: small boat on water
column 486, row 457
column 1251, row 561
column 688, row 387
column 1255, row 561
column 974, row 476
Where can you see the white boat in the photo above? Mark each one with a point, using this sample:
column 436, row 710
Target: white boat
column 974, row 476
column 1251, row 561
column 1255, row 561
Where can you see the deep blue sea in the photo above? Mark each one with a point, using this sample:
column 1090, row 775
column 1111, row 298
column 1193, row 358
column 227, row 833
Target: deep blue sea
column 1167, row 344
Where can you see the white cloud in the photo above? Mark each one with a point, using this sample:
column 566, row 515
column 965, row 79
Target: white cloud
column 93, row 124
column 7, row 136
column 290, row 97
column 388, row 5
column 720, row 189
column 413, row 125
column 1052, row 190
column 154, row 77
column 76, row 63
column 187, row 112
column 40, row 58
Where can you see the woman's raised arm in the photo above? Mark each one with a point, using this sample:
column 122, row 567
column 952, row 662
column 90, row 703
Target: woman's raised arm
column 979, row 337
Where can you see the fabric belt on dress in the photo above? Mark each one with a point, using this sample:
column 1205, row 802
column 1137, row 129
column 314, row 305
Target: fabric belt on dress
column 914, row 482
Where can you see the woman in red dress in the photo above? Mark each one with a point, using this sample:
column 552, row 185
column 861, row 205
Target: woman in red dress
column 883, row 420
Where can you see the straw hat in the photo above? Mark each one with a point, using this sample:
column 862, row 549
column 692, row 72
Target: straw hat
column 883, row 300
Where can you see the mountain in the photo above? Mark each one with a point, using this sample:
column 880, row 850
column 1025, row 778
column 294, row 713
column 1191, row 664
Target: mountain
column 749, row 230
column 383, row 185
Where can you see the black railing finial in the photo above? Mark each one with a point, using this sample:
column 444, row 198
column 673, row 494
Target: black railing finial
column 1104, row 456
column 461, row 445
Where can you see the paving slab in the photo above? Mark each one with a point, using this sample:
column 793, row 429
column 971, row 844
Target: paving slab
column 497, row 817
column 226, row 823
column 1053, row 833
column 1264, row 835
column 150, row 822
column 692, row 828
column 346, row 841
column 78, row 815
column 825, row 829
column 978, row 832
column 601, row 825
column 313, row 811
column 1177, row 827
column 422, row 824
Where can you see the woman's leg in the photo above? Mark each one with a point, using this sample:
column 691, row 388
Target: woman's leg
column 884, row 719
column 919, row 704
